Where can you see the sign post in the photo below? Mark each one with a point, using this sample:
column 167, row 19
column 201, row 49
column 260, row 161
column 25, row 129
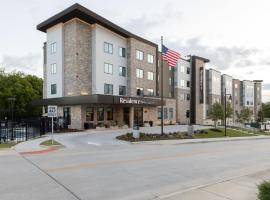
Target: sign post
column 52, row 112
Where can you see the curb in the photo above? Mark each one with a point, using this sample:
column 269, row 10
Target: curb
column 37, row 152
column 177, row 142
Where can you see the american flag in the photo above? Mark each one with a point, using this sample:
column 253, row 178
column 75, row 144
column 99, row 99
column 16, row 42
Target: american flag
column 170, row 56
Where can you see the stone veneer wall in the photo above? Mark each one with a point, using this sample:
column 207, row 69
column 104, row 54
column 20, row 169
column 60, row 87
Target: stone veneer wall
column 76, row 117
column 257, row 98
column 197, row 107
column 133, row 64
column 77, row 58
column 236, row 98
column 182, row 106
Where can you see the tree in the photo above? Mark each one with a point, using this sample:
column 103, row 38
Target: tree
column 229, row 110
column 264, row 112
column 24, row 88
column 245, row 115
column 216, row 112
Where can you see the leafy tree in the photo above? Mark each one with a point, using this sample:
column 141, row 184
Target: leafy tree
column 229, row 110
column 264, row 112
column 216, row 112
column 244, row 115
column 24, row 88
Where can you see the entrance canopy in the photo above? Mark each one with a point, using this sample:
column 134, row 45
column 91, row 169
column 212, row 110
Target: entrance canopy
column 99, row 99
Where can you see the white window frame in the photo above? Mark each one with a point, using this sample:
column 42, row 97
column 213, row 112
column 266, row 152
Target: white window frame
column 53, row 68
column 108, row 50
column 53, row 47
column 108, row 84
column 150, row 76
column 150, row 92
column 120, row 52
column 150, row 58
column 139, row 73
column 125, row 90
column 120, row 74
column 139, row 55
column 107, row 69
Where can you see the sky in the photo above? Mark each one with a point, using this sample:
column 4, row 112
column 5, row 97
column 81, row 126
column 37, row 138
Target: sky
column 233, row 34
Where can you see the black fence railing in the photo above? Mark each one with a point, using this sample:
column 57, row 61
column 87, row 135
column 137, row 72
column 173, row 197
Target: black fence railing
column 18, row 132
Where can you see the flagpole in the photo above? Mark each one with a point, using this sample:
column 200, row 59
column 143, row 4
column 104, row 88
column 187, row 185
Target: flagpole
column 162, row 110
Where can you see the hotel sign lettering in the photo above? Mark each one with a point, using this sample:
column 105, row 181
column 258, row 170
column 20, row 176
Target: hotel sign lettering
column 129, row 100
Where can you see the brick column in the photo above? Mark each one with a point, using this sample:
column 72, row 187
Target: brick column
column 131, row 116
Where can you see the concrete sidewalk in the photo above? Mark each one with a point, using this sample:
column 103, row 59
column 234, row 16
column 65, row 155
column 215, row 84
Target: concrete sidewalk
column 239, row 188
column 31, row 145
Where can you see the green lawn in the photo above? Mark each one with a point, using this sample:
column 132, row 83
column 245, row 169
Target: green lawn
column 215, row 133
column 49, row 143
column 7, row 145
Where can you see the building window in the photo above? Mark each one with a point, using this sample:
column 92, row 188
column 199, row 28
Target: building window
column 188, row 84
column 159, row 113
column 109, row 113
column 187, row 114
column 89, row 114
column 150, row 92
column 188, row 70
column 108, row 68
column 108, row 48
column 150, row 58
column 122, row 71
column 122, row 52
column 182, row 96
column 165, row 113
column 139, row 91
column 122, row 90
column 53, row 89
column 150, row 76
column 182, row 69
column 182, row 83
column 235, row 86
column 170, row 81
column 187, row 97
column 108, row 88
column 139, row 73
column 53, row 47
column 139, row 55
column 100, row 114
column 170, row 113
column 53, row 68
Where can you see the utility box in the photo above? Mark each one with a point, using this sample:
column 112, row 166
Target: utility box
column 136, row 132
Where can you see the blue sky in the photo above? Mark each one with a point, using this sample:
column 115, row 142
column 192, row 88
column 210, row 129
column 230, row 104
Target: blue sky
column 232, row 34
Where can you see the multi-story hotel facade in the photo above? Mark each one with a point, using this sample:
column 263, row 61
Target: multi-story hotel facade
column 98, row 73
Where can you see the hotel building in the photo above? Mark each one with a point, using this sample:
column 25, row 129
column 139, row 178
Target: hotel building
column 99, row 74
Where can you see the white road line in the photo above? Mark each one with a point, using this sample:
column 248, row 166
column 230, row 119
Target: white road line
column 93, row 143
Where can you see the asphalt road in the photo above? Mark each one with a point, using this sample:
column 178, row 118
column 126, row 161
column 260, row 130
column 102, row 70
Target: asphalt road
column 95, row 166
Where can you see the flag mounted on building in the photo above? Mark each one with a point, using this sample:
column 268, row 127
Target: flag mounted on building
column 170, row 56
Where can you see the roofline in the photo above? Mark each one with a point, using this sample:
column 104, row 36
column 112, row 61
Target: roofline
column 214, row 70
column 227, row 75
column 201, row 58
column 258, row 81
column 84, row 14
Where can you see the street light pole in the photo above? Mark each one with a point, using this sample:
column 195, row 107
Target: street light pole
column 225, row 113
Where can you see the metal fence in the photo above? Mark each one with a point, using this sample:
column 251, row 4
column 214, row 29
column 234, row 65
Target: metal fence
column 19, row 132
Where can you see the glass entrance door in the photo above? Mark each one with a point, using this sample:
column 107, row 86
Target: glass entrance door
column 138, row 116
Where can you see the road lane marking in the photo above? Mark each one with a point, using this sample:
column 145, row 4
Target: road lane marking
column 93, row 143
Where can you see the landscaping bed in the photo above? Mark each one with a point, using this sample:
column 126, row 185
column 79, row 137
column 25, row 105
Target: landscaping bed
column 206, row 133
column 49, row 143
column 151, row 137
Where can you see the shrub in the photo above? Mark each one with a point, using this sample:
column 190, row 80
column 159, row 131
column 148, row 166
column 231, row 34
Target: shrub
column 264, row 190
